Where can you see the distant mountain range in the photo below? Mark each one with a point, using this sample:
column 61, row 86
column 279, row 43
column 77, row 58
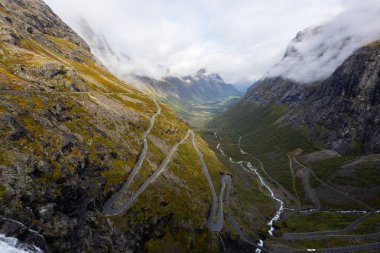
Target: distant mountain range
column 193, row 88
column 199, row 87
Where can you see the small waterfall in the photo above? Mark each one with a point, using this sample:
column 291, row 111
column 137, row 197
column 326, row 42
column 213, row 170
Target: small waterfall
column 13, row 245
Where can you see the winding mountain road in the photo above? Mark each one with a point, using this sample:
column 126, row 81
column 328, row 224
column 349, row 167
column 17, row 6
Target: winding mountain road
column 310, row 235
column 210, row 221
column 225, row 183
column 323, row 234
column 108, row 206
column 217, row 226
column 351, row 248
column 212, row 226
column 110, row 211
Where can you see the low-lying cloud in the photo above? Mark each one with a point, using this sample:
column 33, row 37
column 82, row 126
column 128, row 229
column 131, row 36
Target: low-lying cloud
column 317, row 52
column 241, row 40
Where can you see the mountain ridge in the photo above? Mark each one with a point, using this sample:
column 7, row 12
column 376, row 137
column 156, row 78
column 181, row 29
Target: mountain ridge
column 201, row 86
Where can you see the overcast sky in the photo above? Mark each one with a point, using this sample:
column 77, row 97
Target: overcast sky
column 239, row 39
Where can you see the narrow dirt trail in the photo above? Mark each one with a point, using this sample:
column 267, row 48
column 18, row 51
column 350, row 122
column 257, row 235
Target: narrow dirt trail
column 352, row 248
column 310, row 235
column 371, row 209
column 294, row 180
column 304, row 176
column 322, row 234
column 226, row 181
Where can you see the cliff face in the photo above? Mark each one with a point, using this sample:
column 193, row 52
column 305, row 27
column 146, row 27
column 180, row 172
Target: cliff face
column 21, row 19
column 345, row 108
column 275, row 90
column 70, row 133
column 341, row 112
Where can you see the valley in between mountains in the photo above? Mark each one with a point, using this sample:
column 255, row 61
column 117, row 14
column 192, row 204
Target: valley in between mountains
column 96, row 160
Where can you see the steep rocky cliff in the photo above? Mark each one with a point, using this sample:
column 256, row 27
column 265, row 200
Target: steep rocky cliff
column 341, row 112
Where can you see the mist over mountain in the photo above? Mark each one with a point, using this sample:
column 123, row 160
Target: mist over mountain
column 316, row 52
column 201, row 86
column 235, row 39
column 127, row 133
column 116, row 60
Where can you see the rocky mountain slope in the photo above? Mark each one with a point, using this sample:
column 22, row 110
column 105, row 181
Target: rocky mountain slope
column 70, row 134
column 339, row 113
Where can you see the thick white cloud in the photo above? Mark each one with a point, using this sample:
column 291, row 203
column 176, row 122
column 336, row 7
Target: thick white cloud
column 316, row 53
column 240, row 39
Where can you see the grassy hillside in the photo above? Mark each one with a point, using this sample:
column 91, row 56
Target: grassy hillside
column 303, row 169
column 262, row 136
column 70, row 134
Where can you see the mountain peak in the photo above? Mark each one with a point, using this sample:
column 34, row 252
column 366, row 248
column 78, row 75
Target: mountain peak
column 301, row 36
column 201, row 72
